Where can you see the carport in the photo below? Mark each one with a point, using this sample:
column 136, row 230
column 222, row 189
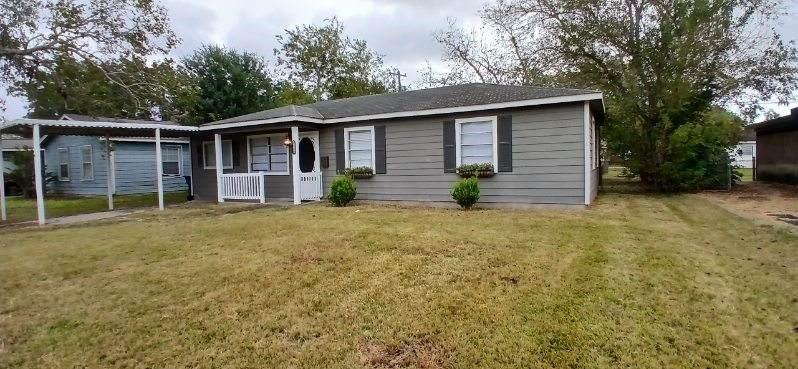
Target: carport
column 36, row 128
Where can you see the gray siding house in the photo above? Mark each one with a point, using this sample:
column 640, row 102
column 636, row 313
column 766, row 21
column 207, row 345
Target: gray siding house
column 542, row 143
column 80, row 163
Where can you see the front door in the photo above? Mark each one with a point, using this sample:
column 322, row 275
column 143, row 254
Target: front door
column 309, row 167
column 308, row 152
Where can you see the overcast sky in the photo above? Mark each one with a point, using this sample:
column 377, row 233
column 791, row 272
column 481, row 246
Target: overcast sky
column 401, row 30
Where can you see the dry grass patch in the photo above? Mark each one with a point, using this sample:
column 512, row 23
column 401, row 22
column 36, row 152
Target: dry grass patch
column 636, row 281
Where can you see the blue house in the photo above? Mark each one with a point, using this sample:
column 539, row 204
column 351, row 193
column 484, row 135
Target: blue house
column 80, row 164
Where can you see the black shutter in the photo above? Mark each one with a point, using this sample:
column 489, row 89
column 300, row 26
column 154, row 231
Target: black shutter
column 340, row 156
column 449, row 150
column 379, row 150
column 504, row 136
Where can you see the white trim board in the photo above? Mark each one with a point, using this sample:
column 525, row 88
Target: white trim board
column 412, row 113
column 588, row 171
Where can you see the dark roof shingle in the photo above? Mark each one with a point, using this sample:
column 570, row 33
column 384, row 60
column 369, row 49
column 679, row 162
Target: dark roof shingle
column 417, row 100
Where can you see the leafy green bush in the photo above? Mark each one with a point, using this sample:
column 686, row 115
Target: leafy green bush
column 466, row 192
column 342, row 191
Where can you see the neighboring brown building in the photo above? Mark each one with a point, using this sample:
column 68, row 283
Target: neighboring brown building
column 777, row 149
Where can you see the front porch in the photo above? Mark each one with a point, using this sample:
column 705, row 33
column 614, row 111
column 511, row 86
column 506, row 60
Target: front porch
column 260, row 164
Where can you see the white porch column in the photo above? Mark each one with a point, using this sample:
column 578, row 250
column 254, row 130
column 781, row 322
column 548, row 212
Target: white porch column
column 37, row 173
column 109, row 172
column 159, row 167
column 3, row 215
column 217, row 149
column 295, row 165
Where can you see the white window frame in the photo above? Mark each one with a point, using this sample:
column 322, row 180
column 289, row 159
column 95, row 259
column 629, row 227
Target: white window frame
column 458, row 133
column 373, row 145
column 249, row 155
column 213, row 144
column 59, row 151
column 179, row 160
column 83, row 176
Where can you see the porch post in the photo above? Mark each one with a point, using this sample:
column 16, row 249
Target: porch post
column 159, row 167
column 3, row 215
column 37, row 173
column 295, row 165
column 109, row 172
column 217, row 149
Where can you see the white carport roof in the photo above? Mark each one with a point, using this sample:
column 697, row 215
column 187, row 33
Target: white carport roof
column 24, row 128
column 35, row 128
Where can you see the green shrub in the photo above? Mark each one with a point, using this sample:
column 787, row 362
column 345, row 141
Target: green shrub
column 466, row 192
column 342, row 191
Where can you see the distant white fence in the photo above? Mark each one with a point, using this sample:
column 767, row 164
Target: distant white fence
column 244, row 186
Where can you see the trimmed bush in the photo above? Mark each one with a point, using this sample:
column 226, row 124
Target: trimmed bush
column 466, row 192
column 342, row 191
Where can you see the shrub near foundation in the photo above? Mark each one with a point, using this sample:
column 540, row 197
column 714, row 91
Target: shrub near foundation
column 342, row 191
column 466, row 192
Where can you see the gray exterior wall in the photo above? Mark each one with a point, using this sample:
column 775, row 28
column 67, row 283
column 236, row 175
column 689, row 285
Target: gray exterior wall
column 548, row 161
column 278, row 187
column 134, row 169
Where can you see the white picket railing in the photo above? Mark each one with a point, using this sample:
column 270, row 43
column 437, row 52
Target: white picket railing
column 244, row 186
column 310, row 187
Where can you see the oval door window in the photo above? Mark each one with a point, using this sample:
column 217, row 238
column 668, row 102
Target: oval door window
column 307, row 155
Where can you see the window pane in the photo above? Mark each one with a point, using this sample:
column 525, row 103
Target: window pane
column 360, row 143
column 210, row 155
column 171, row 168
column 477, row 138
column 476, row 142
column 87, row 171
column 227, row 154
column 63, row 156
column 86, row 154
column 63, row 171
column 476, row 127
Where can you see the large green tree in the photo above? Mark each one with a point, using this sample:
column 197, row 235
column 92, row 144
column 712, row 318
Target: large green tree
column 661, row 64
column 227, row 83
column 76, row 86
column 329, row 64
column 36, row 36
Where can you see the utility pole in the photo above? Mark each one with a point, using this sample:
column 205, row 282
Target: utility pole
column 399, row 76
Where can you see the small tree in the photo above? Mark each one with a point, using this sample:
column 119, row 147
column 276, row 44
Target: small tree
column 23, row 173
column 466, row 192
column 342, row 191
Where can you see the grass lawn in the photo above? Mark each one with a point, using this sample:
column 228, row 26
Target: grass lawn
column 636, row 281
column 22, row 209
column 747, row 174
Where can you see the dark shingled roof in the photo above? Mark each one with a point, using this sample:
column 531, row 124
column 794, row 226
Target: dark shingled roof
column 416, row 100
column 283, row 111
column 749, row 134
column 780, row 124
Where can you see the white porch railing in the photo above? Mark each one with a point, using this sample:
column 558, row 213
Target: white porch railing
column 244, row 186
column 310, row 186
